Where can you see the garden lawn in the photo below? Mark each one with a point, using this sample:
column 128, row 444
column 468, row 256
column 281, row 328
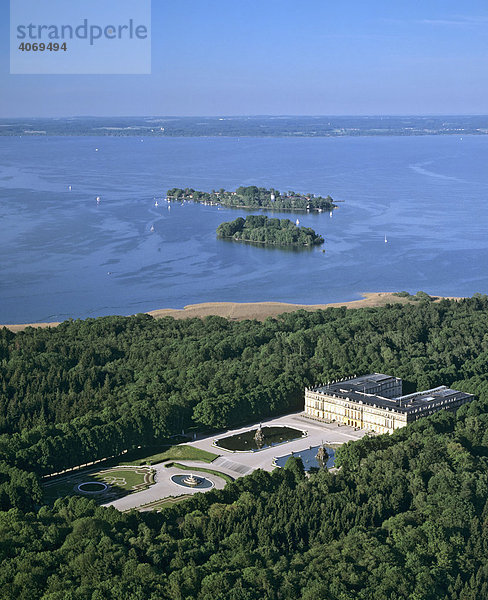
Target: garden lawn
column 197, row 470
column 121, row 481
column 180, row 452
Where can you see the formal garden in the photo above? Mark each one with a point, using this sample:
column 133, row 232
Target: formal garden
column 103, row 485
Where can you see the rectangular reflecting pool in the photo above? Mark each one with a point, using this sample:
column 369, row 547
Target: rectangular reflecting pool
column 308, row 457
column 252, row 441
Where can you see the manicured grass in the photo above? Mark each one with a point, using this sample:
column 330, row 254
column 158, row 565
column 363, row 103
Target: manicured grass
column 197, row 470
column 138, row 456
column 124, row 479
column 60, row 489
column 164, row 502
column 120, row 481
column 176, row 453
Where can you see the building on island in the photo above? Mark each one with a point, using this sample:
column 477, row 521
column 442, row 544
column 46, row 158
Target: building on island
column 374, row 402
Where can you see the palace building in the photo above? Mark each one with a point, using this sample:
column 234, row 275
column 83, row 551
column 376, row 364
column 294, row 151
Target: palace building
column 375, row 402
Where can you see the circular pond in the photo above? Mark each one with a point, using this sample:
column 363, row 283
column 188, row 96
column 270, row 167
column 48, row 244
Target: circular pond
column 195, row 482
column 252, row 441
column 92, row 487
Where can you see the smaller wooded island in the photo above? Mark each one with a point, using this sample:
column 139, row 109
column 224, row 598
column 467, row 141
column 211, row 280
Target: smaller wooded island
column 273, row 232
column 254, row 197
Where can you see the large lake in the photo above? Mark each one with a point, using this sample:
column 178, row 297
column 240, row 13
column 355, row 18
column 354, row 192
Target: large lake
column 63, row 255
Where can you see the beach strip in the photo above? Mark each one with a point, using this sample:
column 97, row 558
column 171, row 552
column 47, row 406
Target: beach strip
column 238, row 311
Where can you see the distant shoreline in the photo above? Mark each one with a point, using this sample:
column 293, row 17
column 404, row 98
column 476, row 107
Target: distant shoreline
column 248, row 126
column 239, row 311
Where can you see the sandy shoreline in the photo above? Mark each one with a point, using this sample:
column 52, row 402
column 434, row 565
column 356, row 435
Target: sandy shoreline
column 238, row 311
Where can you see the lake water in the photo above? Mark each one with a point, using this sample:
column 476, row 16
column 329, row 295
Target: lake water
column 63, row 255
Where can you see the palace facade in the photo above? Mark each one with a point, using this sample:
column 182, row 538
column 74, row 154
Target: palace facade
column 374, row 402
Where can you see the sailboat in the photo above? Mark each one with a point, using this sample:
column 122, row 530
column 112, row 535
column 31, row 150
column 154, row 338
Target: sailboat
column 386, row 241
column 98, row 199
column 156, row 204
column 297, row 222
column 152, row 228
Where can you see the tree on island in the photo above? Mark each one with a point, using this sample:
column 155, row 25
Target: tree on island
column 276, row 232
column 256, row 197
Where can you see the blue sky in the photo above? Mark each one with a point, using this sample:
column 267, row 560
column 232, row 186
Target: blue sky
column 275, row 57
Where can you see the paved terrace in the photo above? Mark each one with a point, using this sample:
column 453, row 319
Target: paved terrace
column 317, row 433
column 237, row 464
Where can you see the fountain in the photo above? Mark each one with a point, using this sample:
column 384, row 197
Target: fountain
column 259, row 437
column 91, row 487
column 191, row 480
column 322, row 456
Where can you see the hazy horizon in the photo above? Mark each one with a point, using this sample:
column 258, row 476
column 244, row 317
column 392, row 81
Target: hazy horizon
column 280, row 58
column 244, row 115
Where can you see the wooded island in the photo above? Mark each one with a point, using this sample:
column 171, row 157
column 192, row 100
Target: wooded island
column 273, row 232
column 254, row 197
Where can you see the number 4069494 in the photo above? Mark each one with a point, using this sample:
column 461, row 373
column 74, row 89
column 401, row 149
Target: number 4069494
column 41, row 47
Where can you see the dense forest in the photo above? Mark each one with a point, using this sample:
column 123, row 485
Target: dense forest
column 89, row 389
column 270, row 232
column 405, row 517
column 255, row 197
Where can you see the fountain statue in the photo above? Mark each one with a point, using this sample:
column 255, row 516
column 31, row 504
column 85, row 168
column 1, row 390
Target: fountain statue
column 259, row 437
column 192, row 481
column 322, row 456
